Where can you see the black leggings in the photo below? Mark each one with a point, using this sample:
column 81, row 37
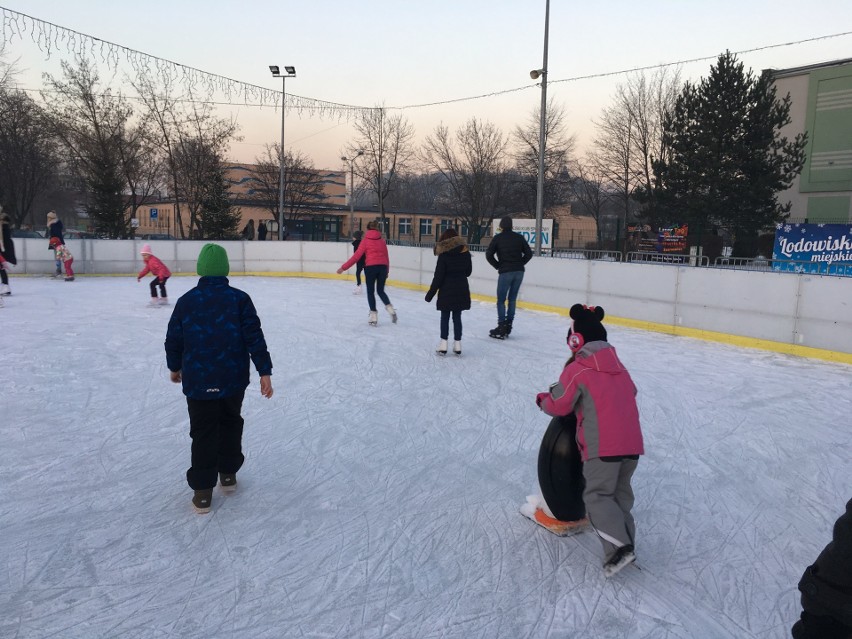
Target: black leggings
column 161, row 283
column 358, row 270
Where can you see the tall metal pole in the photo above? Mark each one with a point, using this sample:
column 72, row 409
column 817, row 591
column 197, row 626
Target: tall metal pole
column 351, row 196
column 539, row 196
column 281, row 164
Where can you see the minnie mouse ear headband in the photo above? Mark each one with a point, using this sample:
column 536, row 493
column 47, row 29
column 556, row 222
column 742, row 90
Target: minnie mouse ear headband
column 586, row 326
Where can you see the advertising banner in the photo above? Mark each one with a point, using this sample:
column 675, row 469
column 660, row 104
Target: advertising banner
column 813, row 248
column 670, row 239
column 526, row 227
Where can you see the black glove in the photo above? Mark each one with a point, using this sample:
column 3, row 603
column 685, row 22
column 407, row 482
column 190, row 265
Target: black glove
column 430, row 295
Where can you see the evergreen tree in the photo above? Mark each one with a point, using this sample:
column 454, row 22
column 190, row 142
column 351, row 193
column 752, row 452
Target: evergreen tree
column 219, row 219
column 727, row 159
column 104, row 190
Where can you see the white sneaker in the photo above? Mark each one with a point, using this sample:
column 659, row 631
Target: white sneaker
column 442, row 347
column 390, row 309
column 457, row 347
column 374, row 318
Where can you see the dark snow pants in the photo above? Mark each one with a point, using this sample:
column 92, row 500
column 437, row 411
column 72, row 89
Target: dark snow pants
column 161, row 282
column 216, row 429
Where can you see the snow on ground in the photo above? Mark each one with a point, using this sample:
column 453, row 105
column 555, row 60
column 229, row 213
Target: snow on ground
column 382, row 484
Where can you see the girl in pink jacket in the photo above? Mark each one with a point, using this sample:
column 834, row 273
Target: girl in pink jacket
column 376, row 270
column 161, row 274
column 598, row 389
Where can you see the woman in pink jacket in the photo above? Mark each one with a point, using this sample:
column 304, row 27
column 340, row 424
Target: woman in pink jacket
column 158, row 269
column 376, row 270
column 598, row 389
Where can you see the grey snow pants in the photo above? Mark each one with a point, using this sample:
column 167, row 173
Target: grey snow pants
column 609, row 499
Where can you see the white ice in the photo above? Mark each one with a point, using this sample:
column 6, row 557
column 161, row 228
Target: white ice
column 382, row 484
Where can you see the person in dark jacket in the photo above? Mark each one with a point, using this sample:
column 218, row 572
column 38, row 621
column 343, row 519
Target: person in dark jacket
column 826, row 588
column 362, row 263
column 261, row 231
column 7, row 251
column 508, row 253
column 450, row 283
column 213, row 331
column 55, row 229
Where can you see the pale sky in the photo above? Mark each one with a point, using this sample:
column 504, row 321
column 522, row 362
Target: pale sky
column 409, row 53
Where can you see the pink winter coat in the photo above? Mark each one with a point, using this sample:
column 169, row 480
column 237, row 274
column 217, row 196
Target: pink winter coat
column 599, row 391
column 375, row 249
column 155, row 266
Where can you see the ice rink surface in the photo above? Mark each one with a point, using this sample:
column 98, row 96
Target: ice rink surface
column 382, row 483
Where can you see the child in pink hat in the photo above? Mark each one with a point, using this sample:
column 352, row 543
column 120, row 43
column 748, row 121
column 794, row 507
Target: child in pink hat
column 154, row 266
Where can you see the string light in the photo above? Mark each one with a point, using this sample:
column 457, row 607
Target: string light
column 50, row 37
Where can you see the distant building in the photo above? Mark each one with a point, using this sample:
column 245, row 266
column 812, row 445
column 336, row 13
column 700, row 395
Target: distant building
column 821, row 104
column 328, row 216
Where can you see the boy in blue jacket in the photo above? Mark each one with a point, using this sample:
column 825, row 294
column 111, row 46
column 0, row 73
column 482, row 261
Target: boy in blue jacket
column 213, row 331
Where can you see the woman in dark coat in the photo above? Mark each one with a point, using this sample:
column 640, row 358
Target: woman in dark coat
column 450, row 283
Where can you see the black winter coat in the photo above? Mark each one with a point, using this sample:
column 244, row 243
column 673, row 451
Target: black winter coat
column 8, row 244
column 512, row 252
column 826, row 585
column 451, row 272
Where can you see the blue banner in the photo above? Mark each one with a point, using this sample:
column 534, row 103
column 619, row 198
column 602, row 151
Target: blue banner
column 813, row 248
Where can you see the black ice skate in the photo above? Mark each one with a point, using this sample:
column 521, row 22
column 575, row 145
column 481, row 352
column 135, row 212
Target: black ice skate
column 228, row 482
column 499, row 332
column 624, row 556
column 201, row 500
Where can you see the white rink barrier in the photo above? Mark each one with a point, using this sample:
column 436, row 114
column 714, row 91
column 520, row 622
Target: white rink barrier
column 789, row 312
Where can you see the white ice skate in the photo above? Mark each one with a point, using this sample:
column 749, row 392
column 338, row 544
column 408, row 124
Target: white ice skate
column 442, row 347
column 374, row 318
column 390, row 309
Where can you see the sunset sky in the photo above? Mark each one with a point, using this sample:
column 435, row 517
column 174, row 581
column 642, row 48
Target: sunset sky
column 403, row 54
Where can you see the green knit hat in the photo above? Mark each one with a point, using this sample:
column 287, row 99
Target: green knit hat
column 212, row 261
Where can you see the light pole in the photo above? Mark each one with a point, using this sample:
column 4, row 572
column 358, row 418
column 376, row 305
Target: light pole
column 352, row 189
column 535, row 74
column 289, row 72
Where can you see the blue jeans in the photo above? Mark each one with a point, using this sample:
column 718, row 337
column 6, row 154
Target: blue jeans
column 508, row 284
column 375, row 277
column 457, row 325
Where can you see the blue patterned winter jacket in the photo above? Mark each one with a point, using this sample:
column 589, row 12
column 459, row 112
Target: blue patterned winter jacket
column 213, row 330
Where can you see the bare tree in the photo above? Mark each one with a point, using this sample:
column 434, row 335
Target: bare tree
column 193, row 142
column 558, row 150
column 141, row 164
column 91, row 121
column 589, row 185
column 630, row 133
column 303, row 184
column 473, row 167
column 29, row 157
column 387, row 145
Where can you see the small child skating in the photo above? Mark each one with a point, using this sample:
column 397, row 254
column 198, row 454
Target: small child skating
column 599, row 390
column 63, row 256
column 160, row 272
column 213, row 331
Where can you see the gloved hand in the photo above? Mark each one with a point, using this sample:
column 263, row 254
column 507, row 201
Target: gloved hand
column 540, row 398
column 430, row 295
